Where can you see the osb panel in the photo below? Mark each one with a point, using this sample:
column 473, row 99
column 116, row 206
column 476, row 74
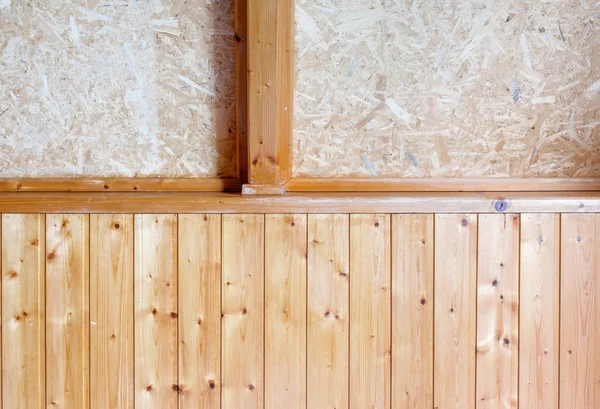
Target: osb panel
column 394, row 88
column 117, row 88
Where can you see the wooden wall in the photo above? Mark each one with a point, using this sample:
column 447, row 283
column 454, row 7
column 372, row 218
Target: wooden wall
column 301, row 311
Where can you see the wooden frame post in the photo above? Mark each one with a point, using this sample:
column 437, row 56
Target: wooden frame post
column 270, row 95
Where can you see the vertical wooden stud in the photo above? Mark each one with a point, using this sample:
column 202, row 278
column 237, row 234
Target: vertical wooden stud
column 23, row 305
column 454, row 311
column 155, row 278
column 67, row 309
column 241, row 87
column 328, row 311
column 270, row 90
column 498, row 311
column 285, row 311
column 370, row 311
column 243, row 314
column 539, row 311
column 111, row 311
column 412, row 311
column 199, row 311
column 580, row 311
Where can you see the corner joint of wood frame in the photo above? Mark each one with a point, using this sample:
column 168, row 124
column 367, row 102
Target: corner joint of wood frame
column 255, row 189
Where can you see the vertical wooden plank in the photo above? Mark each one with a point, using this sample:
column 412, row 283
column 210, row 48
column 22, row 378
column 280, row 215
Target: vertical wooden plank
column 580, row 311
column 454, row 311
column 23, row 305
column 370, row 311
column 328, row 311
column 270, row 90
column 242, row 346
column 199, row 311
column 539, row 311
column 155, row 280
column 412, row 311
column 285, row 311
column 241, row 87
column 111, row 311
column 67, row 309
column 498, row 311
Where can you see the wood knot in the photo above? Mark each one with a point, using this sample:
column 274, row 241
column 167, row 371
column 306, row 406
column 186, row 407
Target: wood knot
column 154, row 311
column 464, row 222
column 376, row 224
column 251, row 387
column 117, row 226
column 570, row 352
column 12, row 274
column 244, row 311
column 238, row 39
column 452, row 310
column 343, row 274
column 494, row 283
column 35, row 243
column 105, row 186
column 212, row 384
column 135, row 188
column 506, row 342
column 149, row 388
column 423, row 301
column 176, row 388
column 173, row 315
column 50, row 256
column 255, row 162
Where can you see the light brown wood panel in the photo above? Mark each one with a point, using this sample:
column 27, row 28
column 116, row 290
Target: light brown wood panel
column 454, row 311
column 23, row 316
column 370, row 311
column 67, row 309
column 111, row 311
column 242, row 342
column 498, row 311
column 328, row 311
column 199, row 282
column 412, row 311
column 580, row 312
column 539, row 311
column 285, row 311
column 155, row 280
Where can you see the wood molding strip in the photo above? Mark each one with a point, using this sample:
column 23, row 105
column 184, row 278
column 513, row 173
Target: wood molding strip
column 442, row 184
column 182, row 202
column 119, row 185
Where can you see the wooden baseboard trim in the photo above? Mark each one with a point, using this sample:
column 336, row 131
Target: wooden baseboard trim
column 186, row 202
column 442, row 185
column 119, row 185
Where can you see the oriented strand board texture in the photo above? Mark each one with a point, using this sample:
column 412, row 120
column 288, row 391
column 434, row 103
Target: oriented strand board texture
column 410, row 88
column 117, row 88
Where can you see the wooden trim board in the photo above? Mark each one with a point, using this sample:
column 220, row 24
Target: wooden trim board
column 442, row 185
column 187, row 202
column 119, row 185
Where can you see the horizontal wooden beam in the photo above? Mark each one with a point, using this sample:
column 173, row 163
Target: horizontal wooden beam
column 119, row 185
column 442, row 185
column 182, row 202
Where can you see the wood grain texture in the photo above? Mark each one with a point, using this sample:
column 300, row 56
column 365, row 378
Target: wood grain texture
column 119, row 185
column 285, row 311
column 580, row 312
column 454, row 311
column 23, row 311
column 242, row 342
column 370, row 311
column 328, row 311
column 270, row 90
column 155, row 280
column 67, row 311
column 241, row 87
column 539, row 311
column 317, row 203
column 498, row 311
column 412, row 311
column 482, row 184
column 111, row 311
column 199, row 281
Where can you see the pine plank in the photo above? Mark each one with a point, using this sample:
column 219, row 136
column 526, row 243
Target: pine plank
column 67, row 309
column 23, row 316
column 328, row 311
column 498, row 311
column 539, row 311
column 155, row 280
column 111, row 311
column 285, row 311
column 370, row 311
column 412, row 311
column 454, row 311
column 580, row 311
column 242, row 345
column 199, row 311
